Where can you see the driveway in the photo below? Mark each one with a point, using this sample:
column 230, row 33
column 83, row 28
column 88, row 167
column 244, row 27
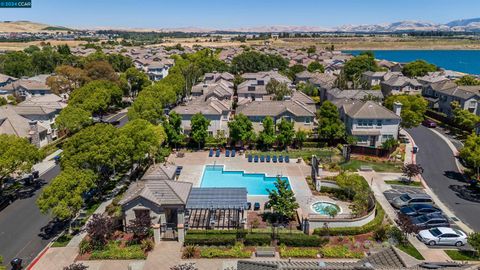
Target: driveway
column 442, row 175
column 24, row 231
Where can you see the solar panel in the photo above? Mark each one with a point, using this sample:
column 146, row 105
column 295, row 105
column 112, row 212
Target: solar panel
column 217, row 198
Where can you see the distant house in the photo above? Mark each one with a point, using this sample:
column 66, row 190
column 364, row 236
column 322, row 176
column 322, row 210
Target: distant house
column 300, row 109
column 5, row 79
column 214, row 77
column 373, row 78
column 156, row 68
column 468, row 97
column 221, row 90
column 217, row 111
column 398, row 85
column 369, row 122
column 26, row 88
column 254, row 86
column 334, row 95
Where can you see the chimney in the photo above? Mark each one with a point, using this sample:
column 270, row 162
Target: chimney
column 397, row 108
column 34, row 135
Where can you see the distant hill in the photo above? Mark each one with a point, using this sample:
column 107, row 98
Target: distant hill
column 26, row 26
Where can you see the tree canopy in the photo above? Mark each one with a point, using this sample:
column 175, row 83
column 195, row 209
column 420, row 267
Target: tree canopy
column 418, row 68
column 413, row 108
column 173, row 129
column 354, row 67
column 468, row 80
column 199, row 129
column 330, row 127
column 267, row 137
column 286, row 133
column 252, row 61
column 471, row 151
column 278, row 89
column 241, row 129
column 133, row 81
column 73, row 119
column 315, row 66
column 464, row 118
column 282, row 200
column 96, row 96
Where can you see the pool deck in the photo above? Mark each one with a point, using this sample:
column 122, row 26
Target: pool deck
column 194, row 162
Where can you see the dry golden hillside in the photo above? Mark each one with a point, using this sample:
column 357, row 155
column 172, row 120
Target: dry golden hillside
column 26, row 26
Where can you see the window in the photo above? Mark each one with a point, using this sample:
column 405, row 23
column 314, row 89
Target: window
column 379, row 123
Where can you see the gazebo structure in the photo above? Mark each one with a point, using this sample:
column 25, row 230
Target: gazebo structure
column 216, row 208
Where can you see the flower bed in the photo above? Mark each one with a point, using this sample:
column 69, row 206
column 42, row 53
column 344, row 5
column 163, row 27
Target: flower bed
column 340, row 252
column 237, row 251
column 298, row 252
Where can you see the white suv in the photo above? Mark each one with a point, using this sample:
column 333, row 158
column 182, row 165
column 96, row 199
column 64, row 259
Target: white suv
column 443, row 236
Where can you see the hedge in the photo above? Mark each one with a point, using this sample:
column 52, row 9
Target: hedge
column 258, row 239
column 301, row 240
column 210, row 240
column 371, row 226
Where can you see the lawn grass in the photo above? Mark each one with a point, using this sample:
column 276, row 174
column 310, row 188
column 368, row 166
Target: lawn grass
column 354, row 165
column 113, row 251
column 62, row 241
column 459, row 255
column 411, row 250
column 403, row 183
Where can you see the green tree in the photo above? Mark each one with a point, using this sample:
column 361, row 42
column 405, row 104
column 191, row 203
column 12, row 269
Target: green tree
column 173, row 129
column 17, row 64
column 468, row 80
column 63, row 197
column 3, row 101
column 17, row 155
column 286, row 133
column 315, row 66
column 356, row 188
column 278, row 89
column 413, row 108
column 418, row 68
column 241, row 129
column 73, row 119
column 119, row 63
column 312, row 49
column 471, row 152
column 199, row 129
column 141, row 140
column 267, row 137
column 100, row 70
column 253, row 61
column 67, row 79
column 354, row 67
column 474, row 241
column 96, row 96
column 464, row 118
column 412, row 170
column 282, row 200
column 300, row 137
column 390, row 144
column 294, row 70
column 308, row 89
column 330, row 127
column 134, row 81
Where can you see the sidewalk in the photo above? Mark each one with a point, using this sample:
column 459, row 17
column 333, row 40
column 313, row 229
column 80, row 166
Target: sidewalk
column 47, row 163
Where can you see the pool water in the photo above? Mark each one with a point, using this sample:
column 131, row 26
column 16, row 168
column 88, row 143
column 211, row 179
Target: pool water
column 321, row 208
column 255, row 183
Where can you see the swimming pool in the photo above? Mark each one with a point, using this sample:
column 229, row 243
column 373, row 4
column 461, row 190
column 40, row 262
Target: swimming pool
column 255, row 183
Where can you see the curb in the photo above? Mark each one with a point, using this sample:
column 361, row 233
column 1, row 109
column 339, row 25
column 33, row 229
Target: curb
column 39, row 256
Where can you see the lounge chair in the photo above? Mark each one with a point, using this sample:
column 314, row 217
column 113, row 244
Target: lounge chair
column 256, row 206
column 262, row 158
column 255, row 159
column 210, row 154
column 217, row 154
column 287, row 159
column 274, row 159
column 178, row 170
column 249, row 205
column 233, row 153
column 280, row 159
column 227, row 153
column 268, row 158
column 249, row 158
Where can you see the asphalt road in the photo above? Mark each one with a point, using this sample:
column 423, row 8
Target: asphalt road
column 121, row 117
column 24, row 231
column 442, row 175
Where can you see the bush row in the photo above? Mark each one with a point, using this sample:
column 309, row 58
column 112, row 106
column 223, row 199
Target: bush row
column 258, row 239
column 301, row 240
column 369, row 227
column 209, row 240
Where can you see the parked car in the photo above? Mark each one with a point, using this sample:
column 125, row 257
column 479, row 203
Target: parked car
column 430, row 221
column 411, row 199
column 419, row 209
column 442, row 236
column 429, row 123
column 5, row 200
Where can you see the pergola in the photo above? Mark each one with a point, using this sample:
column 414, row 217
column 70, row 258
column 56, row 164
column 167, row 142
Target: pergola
column 216, row 208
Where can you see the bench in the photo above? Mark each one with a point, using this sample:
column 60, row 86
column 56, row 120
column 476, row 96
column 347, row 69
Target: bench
column 365, row 168
column 265, row 252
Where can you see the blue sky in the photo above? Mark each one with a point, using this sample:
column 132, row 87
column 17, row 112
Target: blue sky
column 222, row 14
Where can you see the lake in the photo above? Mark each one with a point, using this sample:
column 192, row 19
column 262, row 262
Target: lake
column 467, row 61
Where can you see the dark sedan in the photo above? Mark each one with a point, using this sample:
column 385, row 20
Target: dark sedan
column 429, row 221
column 419, row 209
column 429, row 123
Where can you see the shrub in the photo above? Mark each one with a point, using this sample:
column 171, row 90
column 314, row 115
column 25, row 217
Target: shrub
column 235, row 252
column 380, row 234
column 258, row 239
column 372, row 225
column 210, row 240
column 147, row 245
column 85, row 246
column 298, row 252
column 189, row 252
column 76, row 266
column 339, row 252
column 301, row 240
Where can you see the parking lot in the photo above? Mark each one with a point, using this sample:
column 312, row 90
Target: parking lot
column 398, row 190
